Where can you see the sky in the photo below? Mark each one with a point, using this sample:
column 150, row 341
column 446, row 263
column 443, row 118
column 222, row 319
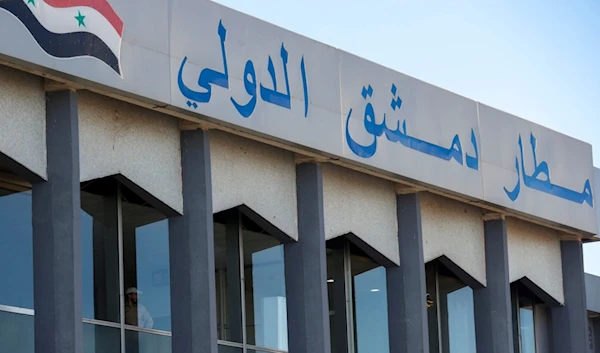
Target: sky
column 539, row 60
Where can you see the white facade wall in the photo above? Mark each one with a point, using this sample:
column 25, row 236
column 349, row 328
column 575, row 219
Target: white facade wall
column 140, row 144
column 454, row 229
column 23, row 119
column 262, row 177
column 534, row 252
column 363, row 205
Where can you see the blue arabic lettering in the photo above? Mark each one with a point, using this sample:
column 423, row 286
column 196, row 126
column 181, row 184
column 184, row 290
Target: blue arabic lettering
column 272, row 96
column 250, row 86
column 473, row 162
column 370, row 125
column 512, row 195
column 207, row 76
column 453, row 152
column 544, row 184
column 400, row 135
column 305, row 85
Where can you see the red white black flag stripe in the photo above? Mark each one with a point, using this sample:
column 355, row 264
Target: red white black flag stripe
column 72, row 28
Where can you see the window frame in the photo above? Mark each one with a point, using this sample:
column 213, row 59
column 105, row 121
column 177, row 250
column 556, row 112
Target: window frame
column 342, row 249
column 438, row 327
column 236, row 218
column 517, row 291
column 17, row 185
column 116, row 188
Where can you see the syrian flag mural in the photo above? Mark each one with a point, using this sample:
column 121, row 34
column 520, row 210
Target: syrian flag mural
column 72, row 28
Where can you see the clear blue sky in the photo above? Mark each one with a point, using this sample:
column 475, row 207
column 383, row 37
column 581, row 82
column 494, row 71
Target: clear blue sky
column 536, row 59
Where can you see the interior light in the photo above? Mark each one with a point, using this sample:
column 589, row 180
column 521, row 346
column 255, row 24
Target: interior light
column 330, row 280
column 375, row 290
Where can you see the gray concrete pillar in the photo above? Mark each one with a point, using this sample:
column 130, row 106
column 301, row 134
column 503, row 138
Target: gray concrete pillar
column 306, row 268
column 493, row 315
column 569, row 322
column 407, row 306
column 57, row 233
column 191, row 252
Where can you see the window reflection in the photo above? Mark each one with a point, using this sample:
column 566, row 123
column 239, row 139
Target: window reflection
column 100, row 251
column 357, row 294
column 125, row 271
column 16, row 248
column 450, row 309
column 524, row 306
column 101, row 339
column 527, row 329
column 248, row 258
column 266, row 314
column 461, row 324
column 228, row 280
column 147, row 296
column 16, row 266
column 370, row 305
column 229, row 349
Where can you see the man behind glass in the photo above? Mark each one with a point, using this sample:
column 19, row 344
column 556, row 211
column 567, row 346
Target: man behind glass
column 135, row 313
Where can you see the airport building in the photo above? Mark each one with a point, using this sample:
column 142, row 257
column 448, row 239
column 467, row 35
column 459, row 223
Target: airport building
column 176, row 176
column 592, row 285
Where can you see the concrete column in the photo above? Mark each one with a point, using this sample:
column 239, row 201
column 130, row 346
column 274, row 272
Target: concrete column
column 57, row 233
column 306, row 268
column 191, row 252
column 493, row 316
column 407, row 306
column 569, row 322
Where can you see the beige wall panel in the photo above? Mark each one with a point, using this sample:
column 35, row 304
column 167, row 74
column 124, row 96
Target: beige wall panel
column 142, row 145
column 23, row 119
column 262, row 177
column 534, row 252
column 363, row 205
column 454, row 229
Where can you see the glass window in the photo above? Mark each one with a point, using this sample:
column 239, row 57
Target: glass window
column 224, row 348
column 228, row 281
column 266, row 314
column 100, row 266
column 147, row 293
column 16, row 264
column 451, row 315
column 16, row 248
column 370, row 304
column 357, row 291
column 100, row 251
column 248, row 258
column 524, row 306
column 125, row 269
column 101, row 339
column 526, row 327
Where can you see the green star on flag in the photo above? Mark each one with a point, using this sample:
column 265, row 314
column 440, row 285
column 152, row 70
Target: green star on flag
column 80, row 18
column 31, row 2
